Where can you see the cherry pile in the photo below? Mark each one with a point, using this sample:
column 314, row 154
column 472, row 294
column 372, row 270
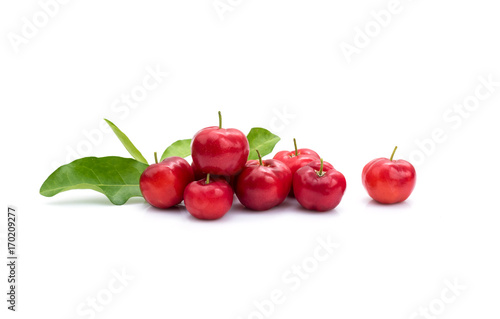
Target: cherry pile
column 220, row 169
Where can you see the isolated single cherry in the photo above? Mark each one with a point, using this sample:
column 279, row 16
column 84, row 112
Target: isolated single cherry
column 389, row 181
column 263, row 184
column 162, row 184
column 296, row 159
column 318, row 186
column 208, row 198
column 219, row 151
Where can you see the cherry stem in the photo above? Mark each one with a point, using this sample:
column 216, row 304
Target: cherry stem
column 156, row 158
column 220, row 120
column 393, row 152
column 295, row 144
column 208, row 179
column 260, row 157
column 321, row 167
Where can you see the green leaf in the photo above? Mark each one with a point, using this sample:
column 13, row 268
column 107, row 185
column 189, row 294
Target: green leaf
column 127, row 143
column 181, row 148
column 262, row 140
column 115, row 177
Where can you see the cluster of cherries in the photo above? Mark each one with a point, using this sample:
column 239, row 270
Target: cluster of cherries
column 220, row 169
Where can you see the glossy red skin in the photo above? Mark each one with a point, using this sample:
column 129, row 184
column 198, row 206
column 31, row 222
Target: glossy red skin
column 320, row 193
column 162, row 185
column 220, row 151
column 387, row 181
column 261, row 187
column 198, row 174
column 294, row 162
column 208, row 201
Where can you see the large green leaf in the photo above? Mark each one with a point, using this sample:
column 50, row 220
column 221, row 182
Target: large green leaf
column 262, row 140
column 127, row 143
column 181, row 148
column 115, row 177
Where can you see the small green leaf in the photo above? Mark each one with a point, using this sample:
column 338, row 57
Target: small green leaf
column 127, row 143
column 181, row 148
column 262, row 140
column 115, row 177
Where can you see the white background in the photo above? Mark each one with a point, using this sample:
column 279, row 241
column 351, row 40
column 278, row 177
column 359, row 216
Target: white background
column 257, row 62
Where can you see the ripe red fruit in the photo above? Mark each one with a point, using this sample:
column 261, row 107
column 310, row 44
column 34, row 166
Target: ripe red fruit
column 162, row 184
column 208, row 198
column 389, row 181
column 263, row 184
column 220, row 151
column 296, row 159
column 318, row 186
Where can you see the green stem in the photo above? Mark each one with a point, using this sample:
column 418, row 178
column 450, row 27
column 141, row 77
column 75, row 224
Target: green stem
column 393, row 153
column 208, row 179
column 321, row 167
column 156, row 158
column 295, row 144
column 220, row 120
column 260, row 157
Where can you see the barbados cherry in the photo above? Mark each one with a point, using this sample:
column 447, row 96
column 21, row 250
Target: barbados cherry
column 296, row 159
column 318, row 186
column 219, row 151
column 389, row 181
column 263, row 184
column 162, row 184
column 208, row 198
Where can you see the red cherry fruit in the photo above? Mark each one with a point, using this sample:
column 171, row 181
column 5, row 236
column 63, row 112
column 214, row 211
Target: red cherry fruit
column 162, row 184
column 318, row 186
column 263, row 184
column 389, row 181
column 296, row 159
column 219, row 151
column 208, row 198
